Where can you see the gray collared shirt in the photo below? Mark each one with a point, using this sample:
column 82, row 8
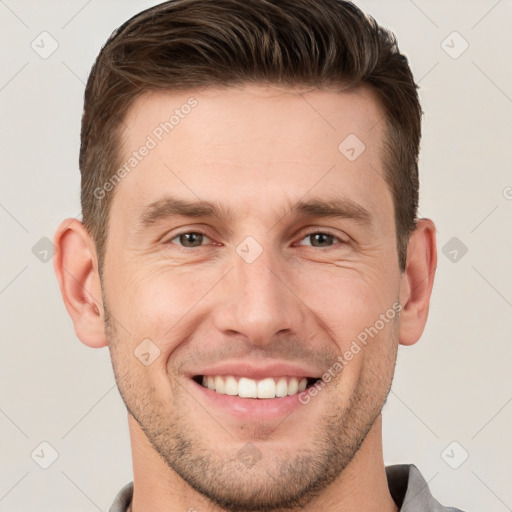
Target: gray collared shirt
column 406, row 485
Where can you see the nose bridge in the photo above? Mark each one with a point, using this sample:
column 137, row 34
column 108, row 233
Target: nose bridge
column 258, row 303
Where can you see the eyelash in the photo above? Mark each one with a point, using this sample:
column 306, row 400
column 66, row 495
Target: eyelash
column 310, row 233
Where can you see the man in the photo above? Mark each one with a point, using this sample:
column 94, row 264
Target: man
column 250, row 252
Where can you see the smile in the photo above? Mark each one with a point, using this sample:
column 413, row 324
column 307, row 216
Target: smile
column 270, row 387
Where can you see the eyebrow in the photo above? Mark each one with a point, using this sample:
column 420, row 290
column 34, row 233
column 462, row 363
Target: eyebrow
column 170, row 207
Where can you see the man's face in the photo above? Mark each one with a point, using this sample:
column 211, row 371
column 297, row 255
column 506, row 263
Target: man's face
column 266, row 291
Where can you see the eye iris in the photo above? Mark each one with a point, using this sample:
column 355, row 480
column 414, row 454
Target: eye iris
column 185, row 238
column 321, row 237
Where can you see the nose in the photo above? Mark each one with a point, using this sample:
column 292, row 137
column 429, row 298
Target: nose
column 257, row 301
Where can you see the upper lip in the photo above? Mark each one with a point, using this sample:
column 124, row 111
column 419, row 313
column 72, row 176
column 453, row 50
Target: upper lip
column 252, row 371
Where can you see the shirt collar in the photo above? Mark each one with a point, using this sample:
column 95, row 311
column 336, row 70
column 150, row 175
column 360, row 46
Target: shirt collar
column 410, row 491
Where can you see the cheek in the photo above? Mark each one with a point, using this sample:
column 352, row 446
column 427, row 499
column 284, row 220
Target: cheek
column 157, row 303
column 347, row 300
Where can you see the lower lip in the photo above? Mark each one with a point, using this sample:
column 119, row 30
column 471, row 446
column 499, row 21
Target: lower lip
column 251, row 408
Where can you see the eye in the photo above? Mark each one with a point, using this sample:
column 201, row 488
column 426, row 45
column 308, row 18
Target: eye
column 192, row 239
column 189, row 239
column 321, row 238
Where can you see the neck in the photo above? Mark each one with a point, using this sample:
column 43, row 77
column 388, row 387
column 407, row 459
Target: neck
column 361, row 486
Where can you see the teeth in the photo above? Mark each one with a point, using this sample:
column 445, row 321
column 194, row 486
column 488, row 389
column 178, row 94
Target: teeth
column 293, row 387
column 266, row 388
column 219, row 385
column 231, row 386
column 282, row 387
column 249, row 388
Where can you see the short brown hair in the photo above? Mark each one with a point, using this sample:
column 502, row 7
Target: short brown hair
column 180, row 45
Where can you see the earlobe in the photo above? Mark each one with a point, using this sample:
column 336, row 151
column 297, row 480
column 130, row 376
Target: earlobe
column 417, row 281
column 75, row 265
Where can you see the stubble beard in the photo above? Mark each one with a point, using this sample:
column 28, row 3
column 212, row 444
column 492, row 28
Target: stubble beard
column 274, row 483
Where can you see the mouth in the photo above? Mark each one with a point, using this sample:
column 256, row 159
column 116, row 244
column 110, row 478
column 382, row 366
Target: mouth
column 243, row 387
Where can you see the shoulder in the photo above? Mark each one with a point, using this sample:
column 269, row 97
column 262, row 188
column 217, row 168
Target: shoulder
column 410, row 491
column 122, row 499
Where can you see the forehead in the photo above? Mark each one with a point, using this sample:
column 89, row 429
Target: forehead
column 253, row 110
column 249, row 146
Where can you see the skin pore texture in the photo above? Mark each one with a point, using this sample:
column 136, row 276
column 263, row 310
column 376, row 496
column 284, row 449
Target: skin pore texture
column 254, row 151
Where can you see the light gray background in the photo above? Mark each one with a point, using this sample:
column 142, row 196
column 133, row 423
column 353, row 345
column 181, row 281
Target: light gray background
column 454, row 385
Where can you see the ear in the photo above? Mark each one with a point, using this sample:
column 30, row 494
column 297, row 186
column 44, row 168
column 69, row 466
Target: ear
column 417, row 281
column 76, row 268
